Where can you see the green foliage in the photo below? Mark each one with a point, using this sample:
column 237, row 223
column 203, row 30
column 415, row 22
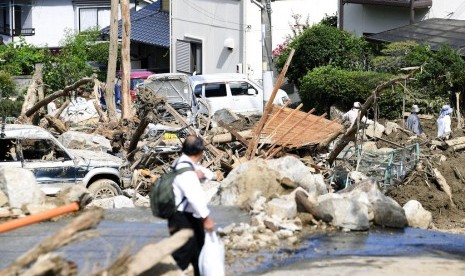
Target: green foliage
column 10, row 108
column 393, row 57
column 321, row 45
column 441, row 74
column 329, row 20
column 19, row 57
column 72, row 63
column 326, row 86
column 7, row 85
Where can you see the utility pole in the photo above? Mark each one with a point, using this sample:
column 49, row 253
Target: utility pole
column 267, row 63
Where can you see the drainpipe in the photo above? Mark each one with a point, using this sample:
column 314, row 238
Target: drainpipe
column 412, row 12
column 341, row 14
column 12, row 20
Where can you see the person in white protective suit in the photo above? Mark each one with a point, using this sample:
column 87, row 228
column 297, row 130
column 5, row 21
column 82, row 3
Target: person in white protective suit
column 444, row 122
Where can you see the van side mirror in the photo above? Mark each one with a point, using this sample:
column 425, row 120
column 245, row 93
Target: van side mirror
column 251, row 91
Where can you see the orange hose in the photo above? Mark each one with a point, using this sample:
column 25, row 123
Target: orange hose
column 17, row 223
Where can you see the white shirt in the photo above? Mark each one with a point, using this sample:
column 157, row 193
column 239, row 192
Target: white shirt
column 187, row 185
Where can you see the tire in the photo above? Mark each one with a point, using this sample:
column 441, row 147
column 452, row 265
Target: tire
column 103, row 188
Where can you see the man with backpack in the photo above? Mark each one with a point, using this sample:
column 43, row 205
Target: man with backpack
column 191, row 211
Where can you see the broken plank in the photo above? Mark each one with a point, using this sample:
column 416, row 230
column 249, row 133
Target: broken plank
column 455, row 141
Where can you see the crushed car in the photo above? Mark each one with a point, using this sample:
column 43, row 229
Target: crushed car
column 56, row 167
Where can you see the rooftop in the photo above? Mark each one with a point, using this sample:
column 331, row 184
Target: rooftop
column 435, row 32
column 149, row 26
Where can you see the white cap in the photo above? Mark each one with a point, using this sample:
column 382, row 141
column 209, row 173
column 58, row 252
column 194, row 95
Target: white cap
column 415, row 108
column 357, row 105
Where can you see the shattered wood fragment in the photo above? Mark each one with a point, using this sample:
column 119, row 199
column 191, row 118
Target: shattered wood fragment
column 349, row 136
column 57, row 94
column 230, row 137
column 57, row 124
column 51, row 264
column 455, row 141
column 458, row 175
column 269, row 105
column 239, row 136
column 443, row 184
column 149, row 256
column 64, row 236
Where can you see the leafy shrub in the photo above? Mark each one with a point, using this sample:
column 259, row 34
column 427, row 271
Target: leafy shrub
column 10, row 108
column 326, row 86
column 393, row 57
column 321, row 45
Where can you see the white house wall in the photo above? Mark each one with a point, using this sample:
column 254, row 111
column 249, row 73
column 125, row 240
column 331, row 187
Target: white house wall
column 211, row 23
column 281, row 18
column 360, row 19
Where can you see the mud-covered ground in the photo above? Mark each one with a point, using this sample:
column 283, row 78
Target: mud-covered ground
column 422, row 187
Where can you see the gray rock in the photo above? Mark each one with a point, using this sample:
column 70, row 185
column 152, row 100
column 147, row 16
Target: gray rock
column 122, row 201
column 20, row 186
column 357, row 177
column 75, row 193
column 389, row 213
column 105, row 203
column 39, row 208
column 225, row 115
column 416, row 215
column 281, row 208
column 79, row 140
column 369, row 146
column 3, row 199
column 390, row 128
column 346, row 213
column 375, row 130
column 210, row 189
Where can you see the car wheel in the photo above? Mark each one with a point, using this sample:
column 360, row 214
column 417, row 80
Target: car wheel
column 103, row 188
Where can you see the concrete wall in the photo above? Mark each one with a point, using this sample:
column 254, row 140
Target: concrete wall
column 361, row 19
column 209, row 22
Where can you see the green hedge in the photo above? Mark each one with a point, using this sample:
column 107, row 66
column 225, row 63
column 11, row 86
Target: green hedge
column 10, row 108
column 326, row 86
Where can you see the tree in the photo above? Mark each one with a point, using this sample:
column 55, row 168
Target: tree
column 126, row 60
column 19, row 57
column 322, row 45
column 112, row 58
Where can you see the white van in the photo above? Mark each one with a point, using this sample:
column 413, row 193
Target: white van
column 233, row 91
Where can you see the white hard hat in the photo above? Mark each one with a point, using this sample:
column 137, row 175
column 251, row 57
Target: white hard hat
column 357, row 105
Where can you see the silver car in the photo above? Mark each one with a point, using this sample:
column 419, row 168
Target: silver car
column 56, row 167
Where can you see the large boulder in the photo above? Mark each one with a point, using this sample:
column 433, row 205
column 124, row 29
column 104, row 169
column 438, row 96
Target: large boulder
column 384, row 210
column 294, row 169
column 390, row 128
column 388, row 213
column 346, row 213
column 122, row 201
column 79, row 140
column 20, row 186
column 416, row 215
column 259, row 177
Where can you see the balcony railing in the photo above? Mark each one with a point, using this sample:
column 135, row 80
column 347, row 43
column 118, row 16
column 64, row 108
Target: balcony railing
column 5, row 29
column 24, row 31
column 417, row 4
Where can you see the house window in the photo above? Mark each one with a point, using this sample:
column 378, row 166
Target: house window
column 94, row 17
column 5, row 20
column 19, row 15
column 189, row 57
